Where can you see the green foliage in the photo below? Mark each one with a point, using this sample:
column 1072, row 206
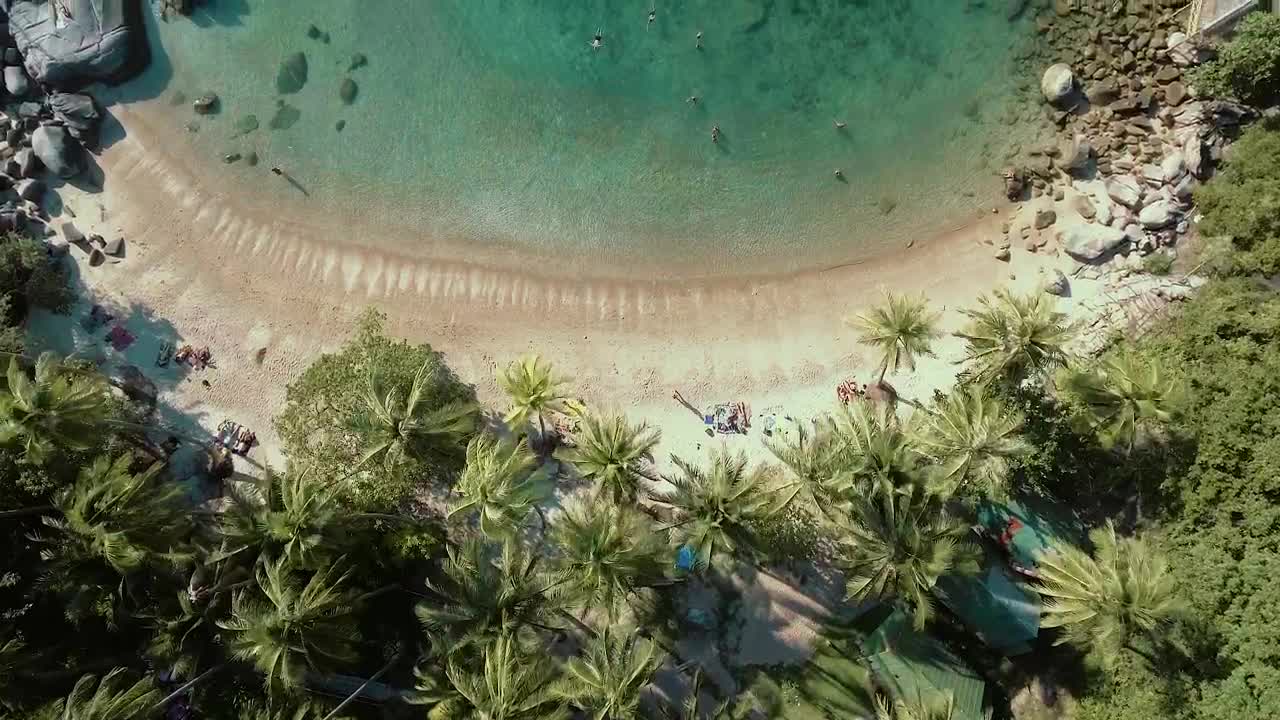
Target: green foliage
column 1013, row 338
column 485, row 592
column 605, row 681
column 607, row 551
column 289, row 516
column 610, row 452
column 1247, row 67
column 718, row 507
column 112, row 698
column 534, row 389
column 1243, row 202
column 28, row 278
column 973, row 437
column 285, row 626
column 900, row 329
column 501, row 485
column 318, row 432
column 55, row 409
column 1158, row 263
column 875, row 453
column 507, row 684
column 1125, row 398
column 899, row 544
column 397, row 431
column 1110, row 602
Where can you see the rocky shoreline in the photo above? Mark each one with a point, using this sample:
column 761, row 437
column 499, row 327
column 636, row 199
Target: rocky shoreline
column 1133, row 141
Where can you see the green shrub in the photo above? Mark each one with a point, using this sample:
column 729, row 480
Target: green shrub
column 1243, row 203
column 1158, row 264
column 1248, row 67
column 315, row 424
column 28, row 278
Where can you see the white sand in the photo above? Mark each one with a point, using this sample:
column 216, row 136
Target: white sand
column 202, row 270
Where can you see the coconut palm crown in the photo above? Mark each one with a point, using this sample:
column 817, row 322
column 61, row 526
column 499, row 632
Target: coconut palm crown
column 609, row 454
column 605, row 681
column 1127, row 396
column 717, row 507
column 1124, row 593
column 502, row 483
column 901, row 328
column 1014, row 337
column 875, row 453
column 973, row 437
column 900, row 544
column 607, row 552
column 52, row 409
column 112, row 698
column 396, row 428
column 293, row 516
column 506, row 684
column 534, row 390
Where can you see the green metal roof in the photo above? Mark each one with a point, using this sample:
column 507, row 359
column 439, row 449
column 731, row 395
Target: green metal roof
column 999, row 610
column 1027, row 527
column 911, row 665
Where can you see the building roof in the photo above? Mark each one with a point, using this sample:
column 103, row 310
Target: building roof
column 911, row 665
column 998, row 609
column 1025, row 528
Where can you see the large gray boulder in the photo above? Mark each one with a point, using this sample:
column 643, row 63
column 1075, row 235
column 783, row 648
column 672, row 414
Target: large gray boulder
column 1057, row 83
column 79, row 113
column 1158, row 214
column 1125, row 189
column 58, row 151
column 1089, row 242
column 95, row 43
column 16, row 81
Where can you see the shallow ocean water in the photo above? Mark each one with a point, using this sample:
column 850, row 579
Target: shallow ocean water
column 493, row 125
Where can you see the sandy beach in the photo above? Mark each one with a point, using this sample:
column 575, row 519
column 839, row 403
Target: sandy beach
column 202, row 270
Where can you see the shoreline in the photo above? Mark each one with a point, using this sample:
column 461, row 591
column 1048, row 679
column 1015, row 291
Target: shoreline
column 206, row 275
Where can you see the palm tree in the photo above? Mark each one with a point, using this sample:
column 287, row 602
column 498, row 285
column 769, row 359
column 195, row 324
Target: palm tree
column 813, row 460
column 508, row 685
column 606, row 552
column 293, row 517
column 936, row 707
column 502, row 483
column 1110, row 601
column 114, row 519
column 54, row 409
column 1126, row 397
column 610, row 452
column 110, row 699
column 874, row 452
column 284, row 627
column 483, row 593
column 900, row 544
column 1011, row 338
column 719, row 507
column 534, row 390
column 974, row 437
column 395, row 430
column 746, row 706
column 901, row 329
column 605, row 681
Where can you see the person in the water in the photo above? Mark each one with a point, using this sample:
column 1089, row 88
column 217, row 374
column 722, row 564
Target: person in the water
column 692, row 100
column 698, row 39
column 597, row 41
column 715, row 133
column 840, row 124
column 653, row 15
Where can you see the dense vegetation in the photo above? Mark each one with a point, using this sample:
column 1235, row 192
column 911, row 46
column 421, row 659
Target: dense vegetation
column 1242, row 204
column 1248, row 68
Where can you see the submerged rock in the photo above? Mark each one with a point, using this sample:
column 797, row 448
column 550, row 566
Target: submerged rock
column 292, row 75
column 285, row 117
column 58, row 151
column 358, row 60
column 246, row 124
column 348, row 91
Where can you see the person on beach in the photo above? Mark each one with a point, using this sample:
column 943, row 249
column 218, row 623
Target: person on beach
column 277, row 171
column 597, row 41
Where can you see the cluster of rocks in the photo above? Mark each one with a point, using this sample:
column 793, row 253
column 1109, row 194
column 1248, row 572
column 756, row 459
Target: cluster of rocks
column 47, row 127
column 1133, row 140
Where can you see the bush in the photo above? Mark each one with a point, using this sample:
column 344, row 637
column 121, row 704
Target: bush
column 1248, row 67
column 1158, row 264
column 1243, row 202
column 28, row 278
column 315, row 427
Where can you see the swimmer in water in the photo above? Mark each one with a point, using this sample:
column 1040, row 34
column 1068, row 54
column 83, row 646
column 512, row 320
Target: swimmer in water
column 715, row 133
column 692, row 100
column 698, row 39
column 653, row 15
column 597, row 41
column 840, row 125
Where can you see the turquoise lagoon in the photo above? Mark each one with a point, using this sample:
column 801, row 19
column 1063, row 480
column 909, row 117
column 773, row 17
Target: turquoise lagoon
column 490, row 130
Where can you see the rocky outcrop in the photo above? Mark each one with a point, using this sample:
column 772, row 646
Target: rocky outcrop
column 79, row 113
column 59, row 152
column 95, row 43
column 16, row 81
column 1089, row 242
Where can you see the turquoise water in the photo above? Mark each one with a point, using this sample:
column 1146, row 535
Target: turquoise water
column 493, row 127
